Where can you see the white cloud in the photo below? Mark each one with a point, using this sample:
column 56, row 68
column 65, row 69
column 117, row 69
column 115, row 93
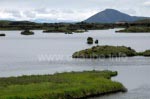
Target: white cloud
column 147, row 3
column 75, row 10
column 48, row 14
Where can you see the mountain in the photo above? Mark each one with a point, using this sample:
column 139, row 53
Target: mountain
column 112, row 16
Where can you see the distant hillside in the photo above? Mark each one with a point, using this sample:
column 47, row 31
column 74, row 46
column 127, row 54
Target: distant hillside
column 111, row 16
column 143, row 21
column 7, row 22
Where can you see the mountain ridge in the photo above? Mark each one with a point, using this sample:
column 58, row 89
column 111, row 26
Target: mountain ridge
column 112, row 16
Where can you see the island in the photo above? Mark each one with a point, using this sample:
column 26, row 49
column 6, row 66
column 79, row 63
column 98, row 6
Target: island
column 2, row 34
column 27, row 32
column 64, row 30
column 105, row 52
column 145, row 53
column 71, row 85
column 136, row 29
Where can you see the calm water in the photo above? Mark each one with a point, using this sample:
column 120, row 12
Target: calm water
column 50, row 53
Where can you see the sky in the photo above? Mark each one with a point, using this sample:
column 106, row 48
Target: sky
column 67, row 10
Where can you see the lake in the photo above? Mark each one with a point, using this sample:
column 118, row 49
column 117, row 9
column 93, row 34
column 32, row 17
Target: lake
column 48, row 53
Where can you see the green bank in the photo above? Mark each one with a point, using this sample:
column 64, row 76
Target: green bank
column 70, row 85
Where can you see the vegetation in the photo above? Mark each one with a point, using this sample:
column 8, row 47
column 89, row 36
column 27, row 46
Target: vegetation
column 65, row 30
column 135, row 29
column 2, row 34
column 105, row 52
column 73, row 27
column 56, row 30
column 71, row 85
column 27, row 32
column 145, row 53
column 89, row 40
column 143, row 21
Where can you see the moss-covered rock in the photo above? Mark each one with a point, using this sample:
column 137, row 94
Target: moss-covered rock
column 105, row 52
column 89, row 40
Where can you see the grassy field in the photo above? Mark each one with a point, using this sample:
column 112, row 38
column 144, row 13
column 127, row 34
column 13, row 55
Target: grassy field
column 60, row 86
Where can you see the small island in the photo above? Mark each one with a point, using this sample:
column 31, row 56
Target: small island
column 105, row 52
column 145, row 53
column 136, row 29
column 27, row 32
column 72, row 85
column 2, row 34
column 64, row 30
column 53, row 30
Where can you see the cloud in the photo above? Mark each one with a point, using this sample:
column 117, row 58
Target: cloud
column 147, row 3
column 75, row 10
column 13, row 13
column 29, row 14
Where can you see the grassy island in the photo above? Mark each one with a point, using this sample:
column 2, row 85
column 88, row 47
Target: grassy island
column 73, row 85
column 145, row 53
column 27, row 32
column 56, row 31
column 136, row 29
column 105, row 52
column 63, row 30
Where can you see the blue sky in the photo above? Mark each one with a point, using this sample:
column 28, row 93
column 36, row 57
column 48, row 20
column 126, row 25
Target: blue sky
column 67, row 10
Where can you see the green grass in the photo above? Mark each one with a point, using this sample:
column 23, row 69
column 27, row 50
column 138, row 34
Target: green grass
column 105, row 52
column 59, row 86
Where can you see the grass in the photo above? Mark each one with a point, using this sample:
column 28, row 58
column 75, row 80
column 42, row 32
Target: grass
column 60, row 86
column 136, row 29
column 105, row 52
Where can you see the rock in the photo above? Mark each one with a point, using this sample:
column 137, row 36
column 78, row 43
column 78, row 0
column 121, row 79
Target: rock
column 89, row 40
column 96, row 41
